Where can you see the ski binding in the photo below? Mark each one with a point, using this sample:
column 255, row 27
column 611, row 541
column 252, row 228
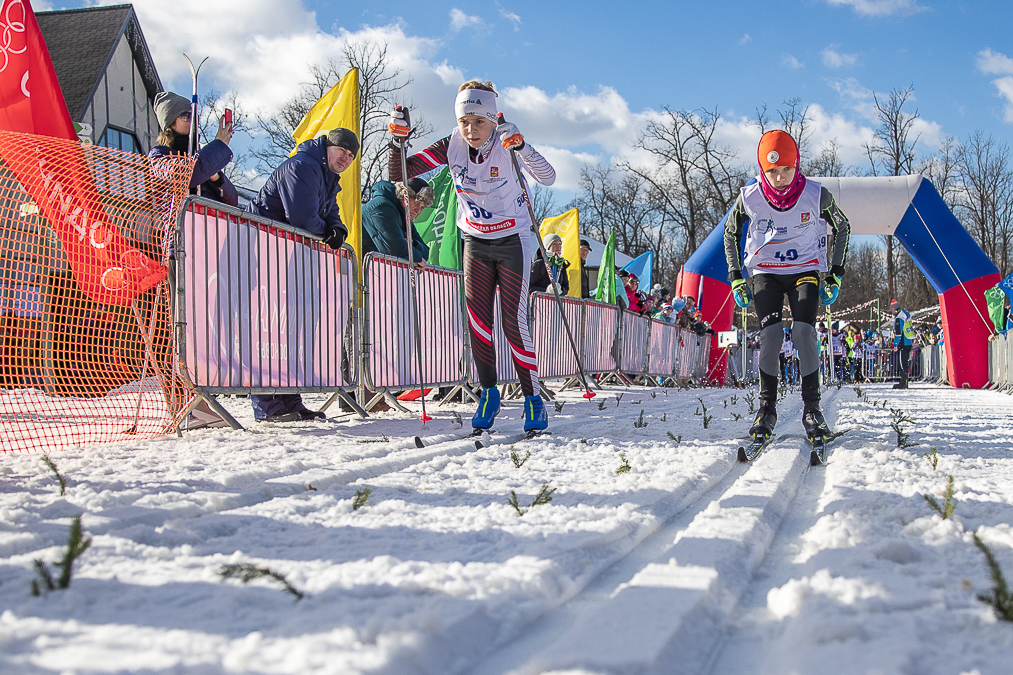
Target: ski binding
column 748, row 453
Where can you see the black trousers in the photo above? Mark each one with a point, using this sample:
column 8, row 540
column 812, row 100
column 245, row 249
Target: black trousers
column 504, row 263
column 802, row 292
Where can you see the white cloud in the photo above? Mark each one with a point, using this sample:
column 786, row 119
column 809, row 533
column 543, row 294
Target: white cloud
column 994, row 63
column 744, row 39
column 789, row 61
column 881, row 7
column 511, row 17
column 459, row 20
column 997, row 63
column 568, row 165
column 834, row 59
column 856, row 96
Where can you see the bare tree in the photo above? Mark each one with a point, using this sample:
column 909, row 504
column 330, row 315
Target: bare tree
column 210, row 110
column 543, row 202
column 795, row 120
column 380, row 89
column 942, row 169
column 612, row 199
column 892, row 152
column 986, row 196
column 828, row 163
column 692, row 181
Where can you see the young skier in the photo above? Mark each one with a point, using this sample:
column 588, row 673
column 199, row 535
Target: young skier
column 493, row 217
column 785, row 219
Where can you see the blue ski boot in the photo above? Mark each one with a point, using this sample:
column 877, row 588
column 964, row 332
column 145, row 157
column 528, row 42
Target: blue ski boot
column 535, row 417
column 488, row 407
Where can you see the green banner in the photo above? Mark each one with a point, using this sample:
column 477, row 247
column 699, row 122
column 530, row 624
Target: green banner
column 606, row 291
column 438, row 224
column 996, row 301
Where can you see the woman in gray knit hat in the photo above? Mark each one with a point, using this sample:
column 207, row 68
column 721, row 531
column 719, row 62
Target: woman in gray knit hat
column 173, row 114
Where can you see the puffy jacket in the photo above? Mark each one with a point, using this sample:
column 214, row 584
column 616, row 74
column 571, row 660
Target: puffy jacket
column 211, row 159
column 539, row 279
column 302, row 191
column 383, row 225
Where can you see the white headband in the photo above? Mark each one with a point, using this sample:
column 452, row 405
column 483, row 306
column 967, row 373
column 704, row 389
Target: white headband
column 476, row 102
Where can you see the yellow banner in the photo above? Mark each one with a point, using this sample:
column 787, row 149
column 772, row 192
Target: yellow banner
column 567, row 226
column 339, row 107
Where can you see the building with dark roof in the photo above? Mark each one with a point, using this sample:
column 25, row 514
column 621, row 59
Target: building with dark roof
column 106, row 73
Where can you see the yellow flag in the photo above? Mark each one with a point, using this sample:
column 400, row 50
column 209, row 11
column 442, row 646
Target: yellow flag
column 567, row 226
column 339, row 107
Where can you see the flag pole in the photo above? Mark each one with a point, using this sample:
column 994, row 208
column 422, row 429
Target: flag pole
column 193, row 103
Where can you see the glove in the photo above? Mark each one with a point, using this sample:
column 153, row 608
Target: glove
column 829, row 289
column 334, row 237
column 740, row 291
column 510, row 136
column 558, row 288
column 400, row 122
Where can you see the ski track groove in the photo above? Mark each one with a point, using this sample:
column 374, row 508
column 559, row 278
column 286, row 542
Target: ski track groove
column 602, row 630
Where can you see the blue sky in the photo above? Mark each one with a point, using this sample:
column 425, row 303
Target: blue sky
column 581, row 79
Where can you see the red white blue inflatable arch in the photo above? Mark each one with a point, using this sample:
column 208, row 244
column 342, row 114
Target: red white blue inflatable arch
column 910, row 209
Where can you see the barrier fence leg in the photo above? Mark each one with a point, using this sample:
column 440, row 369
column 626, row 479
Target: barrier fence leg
column 220, row 411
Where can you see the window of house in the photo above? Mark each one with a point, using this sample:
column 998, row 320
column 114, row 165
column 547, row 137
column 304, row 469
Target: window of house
column 120, row 139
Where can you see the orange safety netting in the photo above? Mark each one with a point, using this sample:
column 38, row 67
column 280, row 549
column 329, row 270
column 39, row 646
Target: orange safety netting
column 86, row 348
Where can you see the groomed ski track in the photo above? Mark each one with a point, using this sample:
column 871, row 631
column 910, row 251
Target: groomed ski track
column 688, row 563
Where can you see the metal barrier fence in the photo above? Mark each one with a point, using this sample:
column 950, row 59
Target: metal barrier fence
column 261, row 308
column 1000, row 356
column 389, row 342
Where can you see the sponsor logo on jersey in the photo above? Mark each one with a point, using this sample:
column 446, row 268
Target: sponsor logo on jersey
column 806, row 216
column 492, row 227
column 494, row 171
column 780, row 230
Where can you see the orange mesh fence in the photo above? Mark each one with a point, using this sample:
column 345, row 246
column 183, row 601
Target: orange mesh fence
column 86, row 351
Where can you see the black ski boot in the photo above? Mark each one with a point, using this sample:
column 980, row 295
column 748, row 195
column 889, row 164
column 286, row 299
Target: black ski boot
column 766, row 419
column 761, row 433
column 812, row 420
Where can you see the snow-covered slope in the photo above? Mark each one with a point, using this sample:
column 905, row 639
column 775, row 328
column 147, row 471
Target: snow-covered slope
column 631, row 572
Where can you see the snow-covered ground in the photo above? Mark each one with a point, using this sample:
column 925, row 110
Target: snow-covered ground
column 688, row 562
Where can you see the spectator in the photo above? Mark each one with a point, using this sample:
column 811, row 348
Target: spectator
column 665, row 314
column 686, row 316
column 302, row 193
column 634, row 297
column 903, row 338
column 209, row 180
column 558, row 265
column 585, row 282
column 383, row 219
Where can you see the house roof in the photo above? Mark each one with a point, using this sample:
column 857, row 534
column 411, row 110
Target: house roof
column 81, row 43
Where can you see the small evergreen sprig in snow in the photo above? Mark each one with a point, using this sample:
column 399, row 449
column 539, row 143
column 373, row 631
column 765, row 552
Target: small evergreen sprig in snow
column 247, row 572
column 999, row 599
column 77, row 544
column 946, row 510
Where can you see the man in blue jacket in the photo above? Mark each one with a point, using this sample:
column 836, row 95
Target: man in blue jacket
column 903, row 338
column 383, row 218
column 302, row 192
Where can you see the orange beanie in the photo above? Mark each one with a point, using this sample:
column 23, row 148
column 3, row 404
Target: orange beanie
column 777, row 148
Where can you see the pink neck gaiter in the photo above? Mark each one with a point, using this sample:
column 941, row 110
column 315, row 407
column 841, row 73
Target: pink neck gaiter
column 785, row 198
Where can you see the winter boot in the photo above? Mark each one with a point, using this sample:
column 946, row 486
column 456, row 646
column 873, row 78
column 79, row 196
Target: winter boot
column 535, row 417
column 766, row 419
column 488, row 407
column 901, row 385
column 812, row 420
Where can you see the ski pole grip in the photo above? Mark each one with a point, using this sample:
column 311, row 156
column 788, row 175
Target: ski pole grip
column 500, row 119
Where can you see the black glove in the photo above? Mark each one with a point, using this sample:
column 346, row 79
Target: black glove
column 334, row 237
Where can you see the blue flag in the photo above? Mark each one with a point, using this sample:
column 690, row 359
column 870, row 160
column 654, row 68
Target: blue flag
column 642, row 266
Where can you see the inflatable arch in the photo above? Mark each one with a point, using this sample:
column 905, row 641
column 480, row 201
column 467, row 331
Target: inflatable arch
column 910, row 209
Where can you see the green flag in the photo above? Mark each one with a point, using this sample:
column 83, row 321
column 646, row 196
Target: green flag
column 995, row 299
column 607, row 272
column 438, row 224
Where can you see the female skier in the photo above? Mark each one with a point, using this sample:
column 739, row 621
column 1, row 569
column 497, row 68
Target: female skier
column 493, row 216
column 786, row 220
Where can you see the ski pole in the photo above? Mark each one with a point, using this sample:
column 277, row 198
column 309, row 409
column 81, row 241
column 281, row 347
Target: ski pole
column 193, row 104
column 588, row 394
column 412, row 275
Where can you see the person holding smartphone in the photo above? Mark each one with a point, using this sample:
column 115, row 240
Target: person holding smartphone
column 173, row 113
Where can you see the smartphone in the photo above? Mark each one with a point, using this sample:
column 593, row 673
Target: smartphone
column 228, row 116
